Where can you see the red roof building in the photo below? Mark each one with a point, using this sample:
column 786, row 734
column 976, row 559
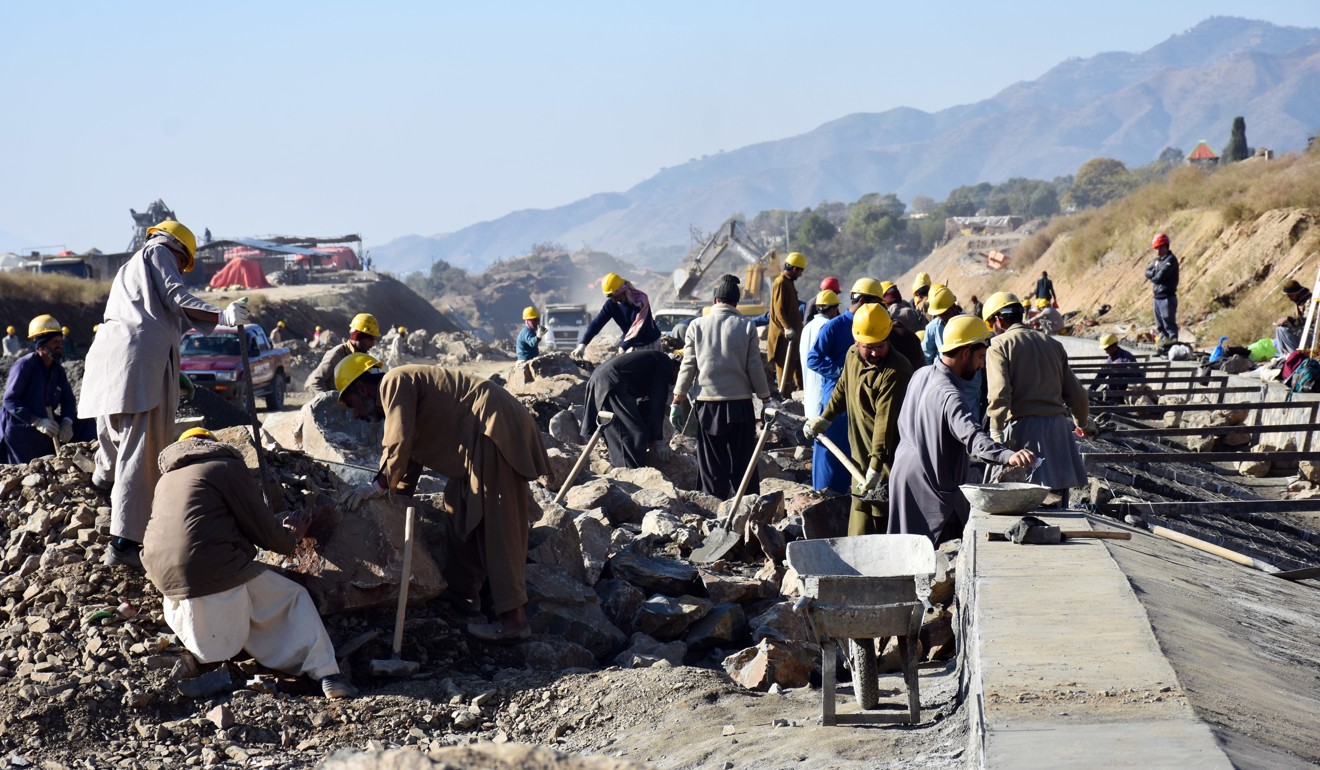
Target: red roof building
column 1203, row 156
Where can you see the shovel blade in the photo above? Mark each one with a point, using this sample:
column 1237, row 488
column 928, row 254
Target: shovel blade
column 718, row 543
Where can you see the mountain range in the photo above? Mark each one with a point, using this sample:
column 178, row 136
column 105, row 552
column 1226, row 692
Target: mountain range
column 1127, row 106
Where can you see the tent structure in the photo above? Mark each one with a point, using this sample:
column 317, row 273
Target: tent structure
column 240, row 272
column 339, row 257
column 242, row 252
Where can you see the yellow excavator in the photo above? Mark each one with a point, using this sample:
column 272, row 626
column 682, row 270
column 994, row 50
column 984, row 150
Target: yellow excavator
column 730, row 250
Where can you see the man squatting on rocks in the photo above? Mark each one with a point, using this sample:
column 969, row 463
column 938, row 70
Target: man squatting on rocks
column 722, row 356
column 199, row 551
column 871, row 390
column 134, row 393
column 37, row 390
column 634, row 387
column 363, row 331
column 486, row 443
column 937, row 434
column 630, row 308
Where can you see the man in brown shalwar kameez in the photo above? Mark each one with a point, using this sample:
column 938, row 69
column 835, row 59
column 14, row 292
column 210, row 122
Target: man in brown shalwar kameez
column 488, row 446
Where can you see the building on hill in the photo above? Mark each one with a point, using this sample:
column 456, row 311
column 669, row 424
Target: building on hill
column 1203, row 156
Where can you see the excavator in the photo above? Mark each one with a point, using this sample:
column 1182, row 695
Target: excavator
column 694, row 282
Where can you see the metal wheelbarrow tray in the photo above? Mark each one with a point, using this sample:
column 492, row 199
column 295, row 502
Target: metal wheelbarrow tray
column 858, row 589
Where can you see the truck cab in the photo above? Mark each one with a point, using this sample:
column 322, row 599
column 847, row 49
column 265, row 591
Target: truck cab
column 215, row 361
column 566, row 324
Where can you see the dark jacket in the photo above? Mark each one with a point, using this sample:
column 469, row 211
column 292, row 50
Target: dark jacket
column 635, row 387
column 1163, row 272
column 30, row 389
column 207, row 521
column 622, row 314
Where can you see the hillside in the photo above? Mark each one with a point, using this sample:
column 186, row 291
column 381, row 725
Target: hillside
column 1123, row 105
column 1239, row 233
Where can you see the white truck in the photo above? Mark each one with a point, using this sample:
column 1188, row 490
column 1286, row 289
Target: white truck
column 566, row 324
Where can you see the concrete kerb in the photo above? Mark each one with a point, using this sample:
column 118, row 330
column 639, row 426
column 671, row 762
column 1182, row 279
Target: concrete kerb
column 1060, row 665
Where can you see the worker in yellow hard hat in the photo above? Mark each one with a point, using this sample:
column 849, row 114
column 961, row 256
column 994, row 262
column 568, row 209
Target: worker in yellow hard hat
column 630, row 308
column 135, row 393
column 1047, row 318
column 920, row 291
column 871, row 391
column 39, row 408
column 939, row 435
column 529, row 335
column 280, row 334
column 362, row 333
column 1118, row 372
column 13, row 346
column 200, row 552
column 825, row 307
column 900, row 310
column 1033, row 393
column 487, row 444
column 941, row 306
column 786, row 325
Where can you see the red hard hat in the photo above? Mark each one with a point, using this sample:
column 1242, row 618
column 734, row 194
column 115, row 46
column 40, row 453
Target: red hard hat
column 830, row 284
column 1160, row 240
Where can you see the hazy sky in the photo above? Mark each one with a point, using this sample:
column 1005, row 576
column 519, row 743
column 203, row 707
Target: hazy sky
column 392, row 118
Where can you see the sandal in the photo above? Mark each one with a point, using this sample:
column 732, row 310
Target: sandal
column 495, row 633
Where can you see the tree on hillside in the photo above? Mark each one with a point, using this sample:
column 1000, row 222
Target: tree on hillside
column 1237, row 148
column 923, row 204
column 814, row 230
column 1099, row 181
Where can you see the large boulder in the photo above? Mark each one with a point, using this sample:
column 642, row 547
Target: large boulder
column 769, row 663
column 594, row 536
column 554, row 540
column 560, row 606
column 620, row 601
column 353, row 561
column 645, row 652
column 724, row 626
column 606, row 495
column 668, row 617
column 653, row 574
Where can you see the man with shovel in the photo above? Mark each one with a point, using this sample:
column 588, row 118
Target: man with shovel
column 486, row 443
column 722, row 355
column 938, row 432
column 871, row 391
column 633, row 387
column 36, row 389
column 199, row 551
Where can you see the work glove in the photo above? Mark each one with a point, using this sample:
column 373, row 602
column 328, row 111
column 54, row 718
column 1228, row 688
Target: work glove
column 814, row 427
column 47, row 426
column 540, row 332
column 66, row 430
column 678, row 415
column 661, row 452
column 186, row 387
column 352, row 498
column 870, row 480
column 790, row 333
column 580, row 351
column 236, row 314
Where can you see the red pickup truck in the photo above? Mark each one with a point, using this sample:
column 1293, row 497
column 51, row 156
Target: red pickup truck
column 214, row 361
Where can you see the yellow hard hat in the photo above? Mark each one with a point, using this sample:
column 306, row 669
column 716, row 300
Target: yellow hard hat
column 403, row 330
column 10, row 330
column 64, row 330
column 43, row 324
column 96, row 328
column 530, row 314
column 1042, row 303
column 923, row 279
column 871, row 324
column 1106, row 340
column 318, row 328
column 998, row 301
column 885, row 286
column 827, row 297
column 181, row 234
column 611, row 283
column 365, row 323
column 941, row 301
column 280, row 324
column 796, row 260
column 964, row 330
column 352, row 367
column 197, row 433
column 868, row 286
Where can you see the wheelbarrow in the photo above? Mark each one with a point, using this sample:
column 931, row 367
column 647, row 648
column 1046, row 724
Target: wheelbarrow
column 859, row 589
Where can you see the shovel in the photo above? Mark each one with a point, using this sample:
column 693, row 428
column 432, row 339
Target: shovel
column 251, row 399
column 395, row 666
column 721, row 539
column 603, row 418
column 50, row 415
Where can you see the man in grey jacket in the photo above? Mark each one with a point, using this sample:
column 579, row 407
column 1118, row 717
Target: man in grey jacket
column 135, row 392
column 722, row 356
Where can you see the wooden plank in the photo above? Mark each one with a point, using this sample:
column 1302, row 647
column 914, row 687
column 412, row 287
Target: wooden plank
column 1215, row 430
column 1230, row 407
column 1207, row 391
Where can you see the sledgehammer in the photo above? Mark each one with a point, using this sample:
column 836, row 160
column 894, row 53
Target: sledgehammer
column 394, row 666
column 603, row 418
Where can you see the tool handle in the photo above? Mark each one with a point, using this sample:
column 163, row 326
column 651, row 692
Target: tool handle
column 789, row 354
column 857, row 475
column 50, row 414
column 405, row 577
column 747, row 474
column 577, row 467
column 252, row 410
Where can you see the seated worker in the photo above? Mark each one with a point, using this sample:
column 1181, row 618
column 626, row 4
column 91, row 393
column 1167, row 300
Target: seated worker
column 36, row 392
column 207, row 522
column 1288, row 330
column 635, row 387
column 1119, row 372
column 362, row 335
column 529, row 336
column 1047, row 318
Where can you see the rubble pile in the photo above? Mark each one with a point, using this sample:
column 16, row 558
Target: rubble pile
column 454, row 348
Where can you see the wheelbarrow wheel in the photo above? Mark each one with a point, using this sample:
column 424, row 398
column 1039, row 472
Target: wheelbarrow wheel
column 866, row 682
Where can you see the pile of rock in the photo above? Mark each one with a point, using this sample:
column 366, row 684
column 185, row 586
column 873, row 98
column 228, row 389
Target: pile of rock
column 453, row 348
